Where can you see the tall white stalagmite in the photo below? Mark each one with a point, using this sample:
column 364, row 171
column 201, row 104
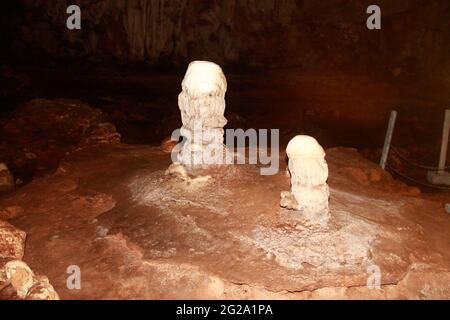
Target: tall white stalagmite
column 202, row 106
column 309, row 173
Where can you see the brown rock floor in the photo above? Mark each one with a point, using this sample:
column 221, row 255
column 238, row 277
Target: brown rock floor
column 136, row 233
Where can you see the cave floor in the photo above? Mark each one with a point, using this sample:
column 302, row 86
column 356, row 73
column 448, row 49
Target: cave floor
column 137, row 233
column 334, row 106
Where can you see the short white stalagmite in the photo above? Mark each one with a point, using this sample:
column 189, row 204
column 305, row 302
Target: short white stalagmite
column 309, row 173
column 202, row 106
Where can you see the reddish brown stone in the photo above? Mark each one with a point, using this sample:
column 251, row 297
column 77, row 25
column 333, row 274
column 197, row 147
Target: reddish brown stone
column 12, row 241
column 6, row 178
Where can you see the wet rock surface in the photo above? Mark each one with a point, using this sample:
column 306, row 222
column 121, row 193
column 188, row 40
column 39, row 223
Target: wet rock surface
column 136, row 232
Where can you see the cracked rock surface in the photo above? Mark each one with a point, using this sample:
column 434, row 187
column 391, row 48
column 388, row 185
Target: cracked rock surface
column 12, row 241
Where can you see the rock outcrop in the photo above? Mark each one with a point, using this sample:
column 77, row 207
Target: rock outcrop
column 308, row 170
column 40, row 133
column 6, row 178
column 251, row 32
column 114, row 205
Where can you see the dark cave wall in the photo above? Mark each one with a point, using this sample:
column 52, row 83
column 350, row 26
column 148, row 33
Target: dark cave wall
column 278, row 33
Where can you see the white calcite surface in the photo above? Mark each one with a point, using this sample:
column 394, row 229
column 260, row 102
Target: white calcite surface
column 309, row 173
column 202, row 106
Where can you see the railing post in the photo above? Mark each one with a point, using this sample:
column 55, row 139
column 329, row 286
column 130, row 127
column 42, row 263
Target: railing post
column 444, row 145
column 388, row 139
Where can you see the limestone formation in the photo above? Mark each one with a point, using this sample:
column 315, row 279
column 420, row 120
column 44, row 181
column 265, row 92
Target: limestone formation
column 179, row 171
column 232, row 32
column 42, row 290
column 67, row 124
column 20, row 276
column 309, row 173
column 202, row 106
